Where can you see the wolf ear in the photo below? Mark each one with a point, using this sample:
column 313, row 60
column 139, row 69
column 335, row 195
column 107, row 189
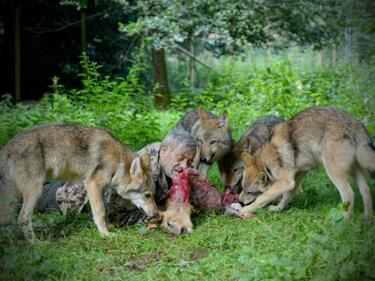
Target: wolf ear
column 262, row 177
column 203, row 115
column 268, row 172
column 223, row 119
column 247, row 144
column 136, row 167
column 247, row 158
column 145, row 161
column 243, row 145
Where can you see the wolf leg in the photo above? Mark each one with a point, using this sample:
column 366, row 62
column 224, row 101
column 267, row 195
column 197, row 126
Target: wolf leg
column 339, row 177
column 285, row 199
column 364, row 190
column 281, row 186
column 95, row 195
column 287, row 196
column 299, row 179
column 9, row 204
column 30, row 198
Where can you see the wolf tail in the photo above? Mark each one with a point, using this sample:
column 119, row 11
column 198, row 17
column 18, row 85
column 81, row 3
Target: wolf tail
column 366, row 157
column 372, row 170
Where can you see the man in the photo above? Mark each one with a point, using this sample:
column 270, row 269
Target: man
column 168, row 159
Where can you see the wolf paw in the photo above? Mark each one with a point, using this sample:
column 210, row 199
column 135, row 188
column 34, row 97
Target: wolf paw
column 275, row 208
column 105, row 233
column 236, row 206
column 245, row 215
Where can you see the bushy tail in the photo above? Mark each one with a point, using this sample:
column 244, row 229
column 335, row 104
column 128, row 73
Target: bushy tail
column 366, row 158
column 372, row 169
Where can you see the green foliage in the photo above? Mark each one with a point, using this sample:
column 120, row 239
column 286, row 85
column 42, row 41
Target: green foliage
column 280, row 88
column 231, row 25
column 119, row 105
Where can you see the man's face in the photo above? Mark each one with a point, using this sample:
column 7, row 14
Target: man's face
column 173, row 161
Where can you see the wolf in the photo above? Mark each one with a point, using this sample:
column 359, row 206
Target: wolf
column 71, row 153
column 231, row 166
column 316, row 136
column 174, row 216
column 212, row 135
column 176, row 219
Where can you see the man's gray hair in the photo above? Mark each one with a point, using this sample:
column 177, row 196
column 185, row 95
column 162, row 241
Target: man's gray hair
column 180, row 136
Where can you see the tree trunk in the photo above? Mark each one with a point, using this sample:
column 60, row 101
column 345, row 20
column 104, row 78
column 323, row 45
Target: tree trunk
column 334, row 55
column 159, row 69
column 348, row 44
column 17, row 52
column 83, row 31
column 192, row 69
column 321, row 57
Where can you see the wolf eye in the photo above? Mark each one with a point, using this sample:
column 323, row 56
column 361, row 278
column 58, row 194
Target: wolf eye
column 170, row 224
column 212, row 142
column 237, row 170
column 148, row 195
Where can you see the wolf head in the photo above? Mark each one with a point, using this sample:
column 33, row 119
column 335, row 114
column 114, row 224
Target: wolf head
column 232, row 170
column 176, row 218
column 140, row 190
column 232, row 166
column 213, row 137
column 256, row 179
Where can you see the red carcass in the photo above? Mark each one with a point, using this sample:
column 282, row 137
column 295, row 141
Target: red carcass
column 193, row 186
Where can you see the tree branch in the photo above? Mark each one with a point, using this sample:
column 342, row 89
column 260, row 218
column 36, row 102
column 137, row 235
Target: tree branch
column 42, row 30
column 186, row 52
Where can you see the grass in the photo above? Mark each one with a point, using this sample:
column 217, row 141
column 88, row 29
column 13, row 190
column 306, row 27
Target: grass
column 309, row 241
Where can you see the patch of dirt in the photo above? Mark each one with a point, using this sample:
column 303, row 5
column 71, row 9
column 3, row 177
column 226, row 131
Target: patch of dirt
column 198, row 254
column 143, row 262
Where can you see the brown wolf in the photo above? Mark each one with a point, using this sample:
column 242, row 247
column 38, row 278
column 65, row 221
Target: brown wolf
column 70, row 153
column 176, row 219
column 212, row 135
column 231, row 166
column 315, row 136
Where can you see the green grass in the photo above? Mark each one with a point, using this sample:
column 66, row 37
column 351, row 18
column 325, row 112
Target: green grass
column 309, row 241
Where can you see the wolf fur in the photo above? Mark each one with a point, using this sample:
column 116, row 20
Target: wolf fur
column 212, row 135
column 231, row 166
column 176, row 219
column 71, row 153
column 316, row 136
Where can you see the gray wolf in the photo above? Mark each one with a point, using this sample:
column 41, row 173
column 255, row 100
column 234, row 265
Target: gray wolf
column 231, row 166
column 71, row 153
column 212, row 135
column 316, row 136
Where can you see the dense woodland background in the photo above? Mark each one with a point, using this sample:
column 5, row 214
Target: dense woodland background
column 135, row 67
column 42, row 39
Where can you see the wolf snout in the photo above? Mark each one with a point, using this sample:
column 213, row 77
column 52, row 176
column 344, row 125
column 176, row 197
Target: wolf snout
column 151, row 211
column 207, row 160
column 155, row 213
column 183, row 230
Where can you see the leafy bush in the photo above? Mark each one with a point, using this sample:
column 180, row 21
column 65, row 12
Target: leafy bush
column 284, row 90
column 119, row 105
